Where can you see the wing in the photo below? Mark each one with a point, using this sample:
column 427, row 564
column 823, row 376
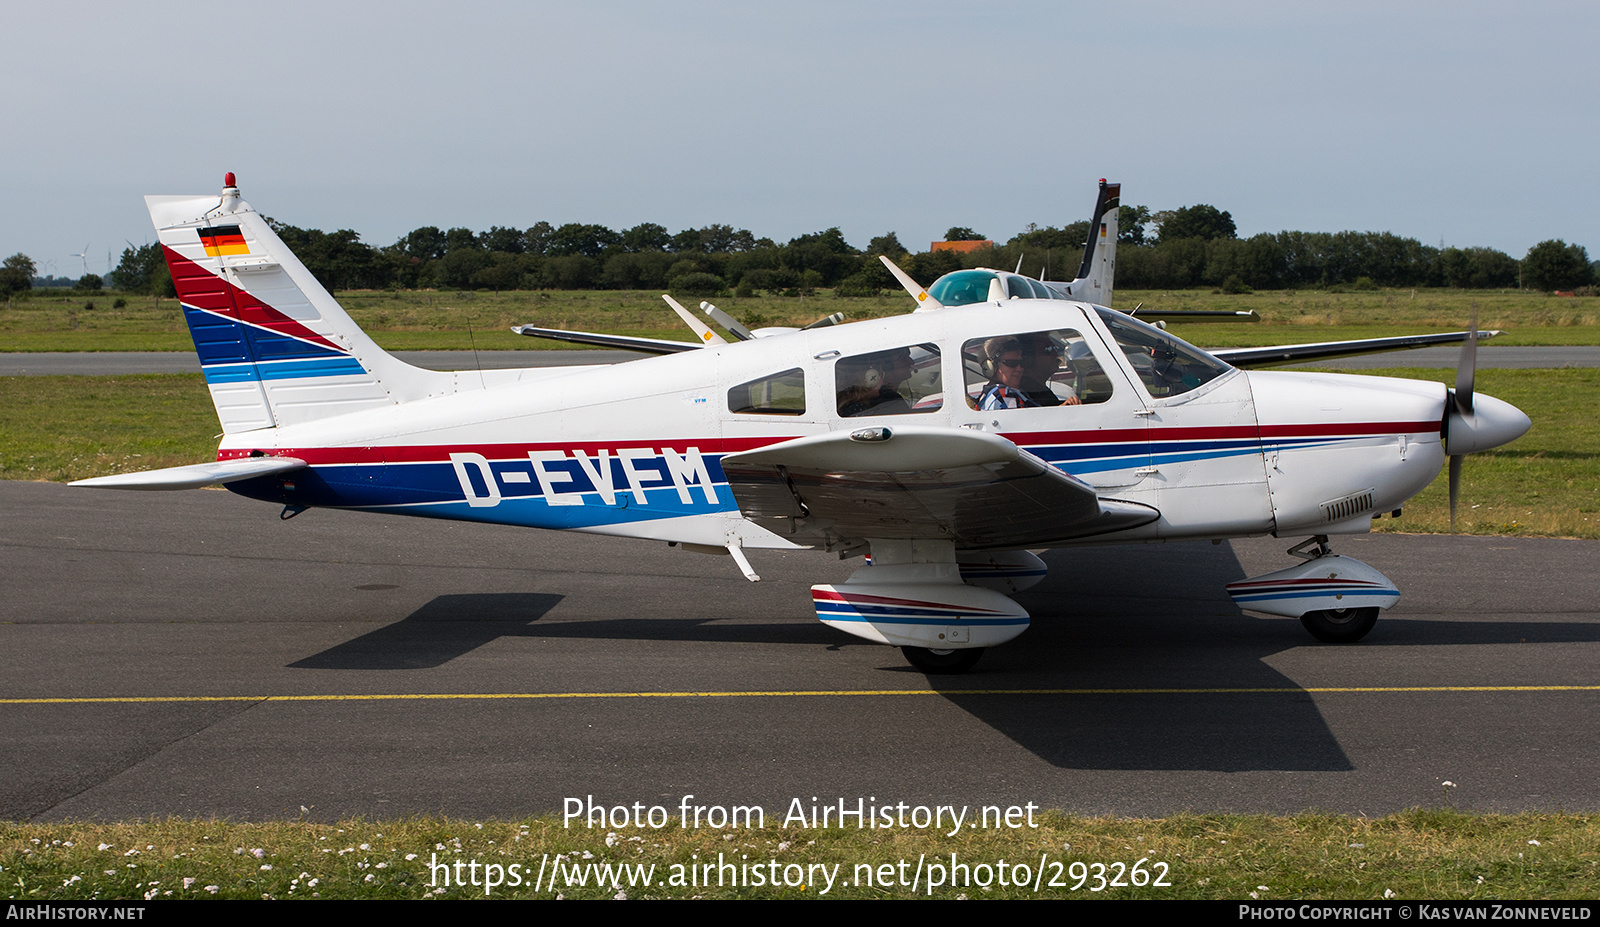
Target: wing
column 214, row 473
column 1327, row 350
column 629, row 342
column 978, row 490
column 1193, row 315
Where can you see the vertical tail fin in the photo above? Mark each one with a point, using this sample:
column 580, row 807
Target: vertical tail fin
column 275, row 347
column 1097, row 271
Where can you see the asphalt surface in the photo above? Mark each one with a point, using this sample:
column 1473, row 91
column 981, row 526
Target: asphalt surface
column 200, row 657
column 126, row 362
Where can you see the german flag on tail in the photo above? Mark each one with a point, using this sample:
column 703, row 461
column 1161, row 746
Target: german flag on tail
column 223, row 239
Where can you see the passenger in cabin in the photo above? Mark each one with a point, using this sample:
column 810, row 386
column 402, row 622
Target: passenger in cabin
column 869, row 383
column 1004, row 389
column 1041, row 360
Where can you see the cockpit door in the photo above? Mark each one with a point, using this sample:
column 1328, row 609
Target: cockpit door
column 1059, row 393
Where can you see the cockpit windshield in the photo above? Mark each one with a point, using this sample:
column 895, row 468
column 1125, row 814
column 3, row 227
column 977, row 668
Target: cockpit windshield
column 966, row 287
column 1167, row 365
column 962, row 288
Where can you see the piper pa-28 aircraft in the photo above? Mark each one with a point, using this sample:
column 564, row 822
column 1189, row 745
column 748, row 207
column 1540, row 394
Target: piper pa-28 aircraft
column 1004, row 415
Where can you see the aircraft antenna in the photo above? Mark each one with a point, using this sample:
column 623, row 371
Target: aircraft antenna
column 474, row 342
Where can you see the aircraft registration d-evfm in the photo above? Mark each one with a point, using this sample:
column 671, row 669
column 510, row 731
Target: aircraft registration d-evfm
column 1005, row 415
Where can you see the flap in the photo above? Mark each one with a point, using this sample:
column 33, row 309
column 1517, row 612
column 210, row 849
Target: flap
column 976, row 489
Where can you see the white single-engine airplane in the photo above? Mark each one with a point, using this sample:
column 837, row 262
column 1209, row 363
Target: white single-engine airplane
column 1005, row 414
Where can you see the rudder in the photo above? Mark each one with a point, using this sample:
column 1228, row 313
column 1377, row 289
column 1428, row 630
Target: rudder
column 275, row 347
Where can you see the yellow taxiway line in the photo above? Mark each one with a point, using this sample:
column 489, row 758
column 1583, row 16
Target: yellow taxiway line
column 486, row 696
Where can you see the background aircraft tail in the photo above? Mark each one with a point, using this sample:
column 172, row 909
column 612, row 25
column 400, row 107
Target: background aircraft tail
column 275, row 347
column 1097, row 271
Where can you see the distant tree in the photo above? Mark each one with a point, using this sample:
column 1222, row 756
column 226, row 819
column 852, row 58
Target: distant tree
column 1556, row 265
column 928, row 266
column 825, row 252
column 16, row 276
column 536, row 240
column 887, row 245
column 1200, row 221
column 461, row 240
column 1476, row 268
column 698, row 284
column 338, row 260
column 143, row 270
column 1065, row 240
column 503, row 240
column 89, row 282
column 685, row 241
column 724, row 239
column 1131, row 221
column 424, row 244
column 646, row 236
column 587, row 240
column 962, row 233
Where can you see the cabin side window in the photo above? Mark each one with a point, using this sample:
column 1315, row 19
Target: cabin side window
column 779, row 394
column 900, row 381
column 1032, row 370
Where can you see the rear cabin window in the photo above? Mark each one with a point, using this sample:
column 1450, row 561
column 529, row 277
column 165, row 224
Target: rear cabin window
column 900, row 381
column 1032, row 370
column 779, row 394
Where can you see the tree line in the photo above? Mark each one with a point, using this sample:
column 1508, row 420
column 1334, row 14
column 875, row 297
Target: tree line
column 1187, row 247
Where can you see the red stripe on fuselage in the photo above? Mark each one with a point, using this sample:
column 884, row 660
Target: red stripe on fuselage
column 437, row 453
column 426, row 453
column 1220, row 432
column 205, row 290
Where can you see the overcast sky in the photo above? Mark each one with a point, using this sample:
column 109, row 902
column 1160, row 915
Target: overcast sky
column 1471, row 123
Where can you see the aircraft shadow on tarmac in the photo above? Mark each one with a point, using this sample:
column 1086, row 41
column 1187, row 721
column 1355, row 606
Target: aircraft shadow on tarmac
column 1103, row 620
column 1125, row 626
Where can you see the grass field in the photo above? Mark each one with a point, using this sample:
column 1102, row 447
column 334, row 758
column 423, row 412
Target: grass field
column 428, row 320
column 1428, row 854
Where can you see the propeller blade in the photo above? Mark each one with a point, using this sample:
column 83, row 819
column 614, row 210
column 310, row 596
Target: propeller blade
column 924, row 301
column 1455, row 488
column 1467, row 368
column 701, row 329
column 825, row 321
column 726, row 321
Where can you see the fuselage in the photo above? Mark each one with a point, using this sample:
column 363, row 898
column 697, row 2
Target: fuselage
column 634, row 449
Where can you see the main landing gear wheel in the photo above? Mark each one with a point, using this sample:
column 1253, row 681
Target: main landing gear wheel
column 1340, row 625
column 941, row 662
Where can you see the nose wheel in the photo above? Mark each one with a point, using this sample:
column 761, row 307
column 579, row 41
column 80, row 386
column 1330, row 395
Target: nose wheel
column 1340, row 625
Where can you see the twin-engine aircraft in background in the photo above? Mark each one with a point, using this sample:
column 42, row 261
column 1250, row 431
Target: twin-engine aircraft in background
column 1006, row 415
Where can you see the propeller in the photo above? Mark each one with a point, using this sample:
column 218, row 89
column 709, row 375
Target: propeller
column 1461, row 396
column 1475, row 423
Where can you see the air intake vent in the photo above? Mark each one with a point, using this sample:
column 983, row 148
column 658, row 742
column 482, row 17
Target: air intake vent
column 1349, row 507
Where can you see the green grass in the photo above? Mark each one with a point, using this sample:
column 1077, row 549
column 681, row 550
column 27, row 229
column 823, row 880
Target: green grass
column 1547, row 483
column 68, row 428
column 451, row 320
column 1428, row 854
